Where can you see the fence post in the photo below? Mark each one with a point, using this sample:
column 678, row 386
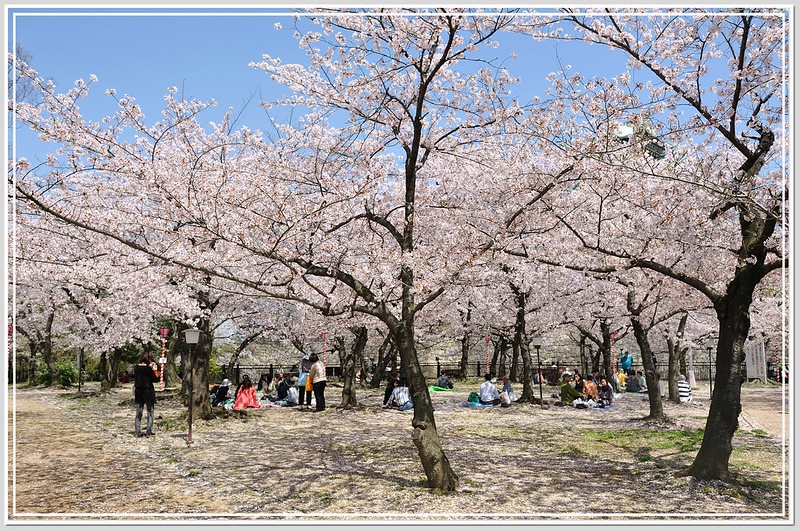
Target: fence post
column 237, row 374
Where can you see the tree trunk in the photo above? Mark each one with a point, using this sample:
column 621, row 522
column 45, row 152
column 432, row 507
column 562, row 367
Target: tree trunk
column 732, row 310
column 672, row 371
column 113, row 368
column 201, row 357
column 682, row 365
column 348, row 359
column 606, row 352
column 466, row 318
column 495, row 356
column 385, row 356
column 596, row 361
column 103, row 369
column 503, row 355
column 171, row 378
column 514, row 361
column 46, row 349
column 650, row 374
column 675, row 348
column 521, row 339
column 425, row 437
column 584, row 359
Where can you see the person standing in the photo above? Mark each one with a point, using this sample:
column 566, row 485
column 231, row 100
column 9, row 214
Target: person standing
column 626, row 361
column 145, row 375
column 319, row 380
column 305, row 369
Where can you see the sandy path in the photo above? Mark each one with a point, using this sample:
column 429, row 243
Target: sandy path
column 78, row 456
column 124, row 478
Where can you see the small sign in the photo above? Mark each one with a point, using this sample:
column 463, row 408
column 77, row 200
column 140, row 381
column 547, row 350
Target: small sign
column 756, row 361
column 162, row 360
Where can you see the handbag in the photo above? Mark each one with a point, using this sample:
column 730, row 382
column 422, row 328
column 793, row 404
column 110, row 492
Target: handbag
column 309, row 383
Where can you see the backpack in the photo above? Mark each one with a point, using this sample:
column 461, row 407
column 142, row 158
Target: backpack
column 473, row 397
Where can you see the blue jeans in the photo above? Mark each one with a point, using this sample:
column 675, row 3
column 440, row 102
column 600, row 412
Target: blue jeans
column 137, row 424
column 405, row 407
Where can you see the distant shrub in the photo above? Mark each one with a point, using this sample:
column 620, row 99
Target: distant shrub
column 67, row 373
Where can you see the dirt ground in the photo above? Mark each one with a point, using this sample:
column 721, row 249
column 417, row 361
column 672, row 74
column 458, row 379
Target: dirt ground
column 74, row 457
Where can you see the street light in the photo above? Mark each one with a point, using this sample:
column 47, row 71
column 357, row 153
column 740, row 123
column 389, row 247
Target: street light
column 536, row 341
column 192, row 338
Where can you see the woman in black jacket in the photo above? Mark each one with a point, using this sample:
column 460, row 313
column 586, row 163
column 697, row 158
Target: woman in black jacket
column 145, row 374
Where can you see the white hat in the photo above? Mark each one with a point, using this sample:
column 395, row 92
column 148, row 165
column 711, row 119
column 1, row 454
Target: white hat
column 225, row 383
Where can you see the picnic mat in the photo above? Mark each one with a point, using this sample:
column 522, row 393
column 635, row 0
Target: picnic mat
column 607, row 407
column 435, row 388
column 469, row 404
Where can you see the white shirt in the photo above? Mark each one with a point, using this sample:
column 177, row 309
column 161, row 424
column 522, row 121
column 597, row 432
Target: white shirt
column 400, row 395
column 489, row 392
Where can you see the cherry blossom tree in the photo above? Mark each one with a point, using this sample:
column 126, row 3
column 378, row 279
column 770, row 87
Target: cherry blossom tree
column 726, row 71
column 339, row 219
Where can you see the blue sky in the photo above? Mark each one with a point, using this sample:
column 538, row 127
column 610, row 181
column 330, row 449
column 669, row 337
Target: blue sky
column 206, row 53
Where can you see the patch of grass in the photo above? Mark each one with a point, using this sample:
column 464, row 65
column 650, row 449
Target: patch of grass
column 193, row 473
column 686, row 440
column 107, row 424
column 170, row 461
column 760, row 434
column 643, row 458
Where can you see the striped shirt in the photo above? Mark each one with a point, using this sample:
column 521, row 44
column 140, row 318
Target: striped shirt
column 684, row 391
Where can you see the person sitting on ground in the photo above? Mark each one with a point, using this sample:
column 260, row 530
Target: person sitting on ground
column 488, row 392
column 245, row 394
column 589, row 390
column 291, row 395
column 221, row 393
column 263, row 379
column 281, row 389
column 577, row 382
column 125, row 378
column 400, row 397
column 632, row 385
column 568, row 393
column 605, row 394
column 507, row 394
column 268, row 389
column 684, row 390
column 642, row 381
column 622, row 378
column 444, row 382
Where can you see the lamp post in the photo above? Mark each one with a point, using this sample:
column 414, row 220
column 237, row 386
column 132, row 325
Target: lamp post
column 438, row 368
column 536, row 341
column 709, row 347
column 192, row 338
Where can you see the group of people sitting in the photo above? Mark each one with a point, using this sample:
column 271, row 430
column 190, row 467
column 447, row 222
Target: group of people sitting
column 632, row 382
column 594, row 391
column 489, row 395
column 281, row 391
